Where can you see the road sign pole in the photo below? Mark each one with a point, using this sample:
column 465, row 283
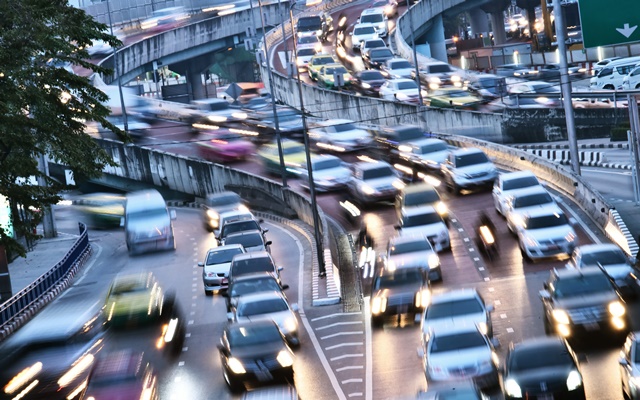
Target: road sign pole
column 566, row 87
column 634, row 120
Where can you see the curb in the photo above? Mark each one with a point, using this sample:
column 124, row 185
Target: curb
column 617, row 165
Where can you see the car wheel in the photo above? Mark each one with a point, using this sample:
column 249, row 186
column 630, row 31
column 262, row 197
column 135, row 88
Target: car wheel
column 208, row 292
column 547, row 327
column 608, row 87
column 234, row 385
column 525, row 257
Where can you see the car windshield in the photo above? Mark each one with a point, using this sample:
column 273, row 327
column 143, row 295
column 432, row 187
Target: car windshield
column 440, row 68
column 520, row 183
column 239, row 226
column 252, row 334
column 546, row 221
column 293, row 150
column 308, row 39
column 400, row 64
column 344, row 127
column 458, row 341
column 371, row 75
column 380, row 53
column 375, row 173
column 336, row 70
column 410, row 247
column 223, row 200
column 490, row 84
column 454, row 308
column 466, row 160
column 253, row 286
column 309, row 24
column 421, row 219
column 581, row 285
column 532, row 200
column 364, row 30
column 398, row 277
column 252, row 265
column 265, row 306
column 322, row 61
column 370, row 44
column 425, row 197
column 404, row 85
column 371, row 19
column 604, row 257
column 306, row 52
column 432, row 148
column 130, row 286
column 327, row 163
column 536, row 358
column 222, row 256
column 246, row 240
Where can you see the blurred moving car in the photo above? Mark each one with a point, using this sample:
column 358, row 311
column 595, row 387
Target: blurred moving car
column 317, row 62
column 375, row 58
column 468, row 169
column 309, row 42
column 426, row 154
column 453, row 391
column 515, row 71
column 397, row 68
column 329, row 173
column 404, row 90
column 453, row 97
column 413, row 251
column 339, row 136
column 514, row 101
column 542, row 88
column 133, row 300
column 101, row 210
column 372, row 44
column 390, row 7
column 254, row 282
column 546, row 233
column 122, row 375
column 372, row 182
column 225, row 146
column 276, row 392
column 303, row 55
column 242, row 224
column 148, row 222
column 459, row 307
column 389, row 139
column 399, row 291
column 427, row 222
column 250, row 240
column 418, row 195
column 523, row 202
column 630, row 366
column 216, row 264
column 437, row 75
column 328, row 74
column 210, row 114
column 253, row 262
column 487, row 86
column 509, row 183
column 293, row 153
column 164, row 19
column 226, row 217
column 543, row 368
column 375, row 17
column 263, row 123
column 217, row 203
column 361, row 33
column 368, row 82
column 254, row 352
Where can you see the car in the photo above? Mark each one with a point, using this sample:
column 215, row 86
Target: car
column 458, row 307
column 427, row 222
column 398, row 291
column 303, row 55
column 319, row 25
column 327, row 74
column 330, row 173
column 487, row 86
column 546, row 233
column 525, row 201
column 250, row 240
column 509, row 183
column 515, row 71
column 613, row 260
column 216, row 264
column 413, row 251
column 597, row 67
column 215, row 204
column 425, row 154
column 317, row 62
column 460, row 353
column 122, row 374
column 254, row 352
column 468, row 169
column 542, row 368
column 452, row 390
column 453, row 97
column 375, row 58
column 582, row 302
column 208, row 114
column 293, row 153
column 420, row 194
column 632, row 79
column 255, row 282
column 516, row 101
column 229, row 216
column 388, row 140
column 373, row 182
column 437, row 75
column 135, row 299
column 367, row 82
column 361, row 33
column 100, row 210
column 253, row 262
column 225, row 146
column 372, row 44
column 275, row 392
column 309, row 42
column 542, row 88
column 339, row 136
column 376, row 17
column 390, row 7
column 397, row 68
column 164, row 19
column 258, row 103
column 268, row 306
column 242, row 224
column 404, row 90
column 548, row 72
column 629, row 368
column 262, row 124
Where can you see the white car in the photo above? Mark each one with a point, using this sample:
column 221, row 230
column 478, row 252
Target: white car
column 361, row 33
column 544, row 234
column 373, row 182
column 528, row 200
column 460, row 307
column 329, row 173
column 413, row 251
column 303, row 55
column 460, row 354
column 630, row 366
column 428, row 153
column 268, row 306
column 405, row 90
column 371, row 44
column 614, row 261
column 396, row 68
column 232, row 215
column 250, row 240
column 632, row 80
column 468, row 169
column 543, row 88
column 309, row 42
column 377, row 18
column 509, row 183
column 425, row 221
column 215, row 275
column 340, row 136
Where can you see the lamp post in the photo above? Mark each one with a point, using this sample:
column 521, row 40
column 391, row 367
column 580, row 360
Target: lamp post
column 415, row 58
column 117, row 70
column 312, row 187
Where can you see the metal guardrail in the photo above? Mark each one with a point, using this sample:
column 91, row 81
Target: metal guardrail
column 23, row 305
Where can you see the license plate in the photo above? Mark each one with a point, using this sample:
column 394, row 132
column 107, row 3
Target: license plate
column 592, row 326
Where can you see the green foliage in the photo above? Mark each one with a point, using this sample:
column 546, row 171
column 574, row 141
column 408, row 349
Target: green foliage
column 619, row 132
column 43, row 106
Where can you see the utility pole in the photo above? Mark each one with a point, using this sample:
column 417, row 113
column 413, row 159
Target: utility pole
column 117, row 71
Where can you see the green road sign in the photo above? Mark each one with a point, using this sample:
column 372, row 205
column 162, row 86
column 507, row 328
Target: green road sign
column 609, row 22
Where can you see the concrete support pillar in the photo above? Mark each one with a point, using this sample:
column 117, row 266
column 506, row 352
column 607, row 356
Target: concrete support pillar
column 194, row 79
column 435, row 38
column 497, row 26
column 479, row 22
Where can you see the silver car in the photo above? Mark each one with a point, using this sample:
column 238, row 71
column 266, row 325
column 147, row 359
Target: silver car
column 525, row 201
column 373, row 182
column 413, row 251
column 215, row 273
column 509, row 183
column 468, row 169
column 546, row 234
column 630, row 366
column 425, row 221
column 427, row 154
column 339, row 136
column 329, row 173
column 456, row 308
column 268, row 306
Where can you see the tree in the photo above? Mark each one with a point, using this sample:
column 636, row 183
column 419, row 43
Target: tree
column 43, row 105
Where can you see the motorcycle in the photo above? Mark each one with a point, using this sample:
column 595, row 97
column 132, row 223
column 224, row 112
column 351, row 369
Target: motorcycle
column 367, row 261
column 486, row 238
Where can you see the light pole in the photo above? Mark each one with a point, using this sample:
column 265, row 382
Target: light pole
column 322, row 271
column 117, row 70
column 415, row 58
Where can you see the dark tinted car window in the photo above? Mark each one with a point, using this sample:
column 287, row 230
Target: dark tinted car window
column 520, row 183
column 581, row 285
column 604, row 257
column 532, row 200
column 247, row 240
column 471, row 159
column 458, row 341
column 240, row 226
column 553, row 356
column 546, row 221
column 398, row 278
column 222, row 256
column 421, row 219
column 453, row 308
column 417, row 198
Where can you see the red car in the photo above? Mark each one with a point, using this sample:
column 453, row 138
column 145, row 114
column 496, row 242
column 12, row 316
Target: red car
column 225, row 145
column 122, row 375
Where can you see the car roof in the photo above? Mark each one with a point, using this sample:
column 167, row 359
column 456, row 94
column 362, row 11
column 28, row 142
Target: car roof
column 238, row 214
column 366, row 165
column 454, row 329
column 407, row 239
column 541, row 342
column 399, row 80
column 252, row 254
column 574, row 272
column 418, row 187
column 368, row 11
column 337, row 121
column 505, row 176
column 466, row 150
column 244, row 233
column 261, row 296
column 419, row 210
column 226, row 246
column 589, row 248
column 394, row 59
column 453, row 295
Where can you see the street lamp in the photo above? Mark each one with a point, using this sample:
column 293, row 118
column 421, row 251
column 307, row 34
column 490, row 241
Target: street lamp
column 117, row 70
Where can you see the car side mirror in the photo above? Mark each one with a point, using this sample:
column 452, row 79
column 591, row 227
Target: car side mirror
column 623, row 361
column 200, row 264
column 280, row 268
column 490, row 308
column 268, row 243
column 285, row 286
column 295, row 307
column 173, row 214
column 495, row 342
column 230, row 316
column 265, row 230
column 545, row 295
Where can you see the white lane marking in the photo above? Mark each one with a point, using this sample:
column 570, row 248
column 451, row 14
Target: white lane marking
column 355, row 394
column 341, row 334
column 323, row 359
column 510, row 330
column 355, row 355
column 283, row 59
column 497, row 302
column 91, row 263
column 354, row 380
column 503, row 316
column 344, row 345
column 349, row 367
column 335, row 315
column 368, row 385
column 339, row 324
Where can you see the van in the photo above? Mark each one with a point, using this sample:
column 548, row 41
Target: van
column 148, row 222
column 612, row 75
column 377, row 18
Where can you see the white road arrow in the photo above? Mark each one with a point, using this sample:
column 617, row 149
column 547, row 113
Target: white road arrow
column 627, row 30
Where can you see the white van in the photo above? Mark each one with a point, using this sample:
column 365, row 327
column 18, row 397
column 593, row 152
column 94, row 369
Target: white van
column 612, row 75
column 632, row 80
column 148, row 222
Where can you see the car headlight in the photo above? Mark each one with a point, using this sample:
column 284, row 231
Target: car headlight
column 290, row 324
column 284, row 358
column 242, row 207
column 235, row 366
column 403, row 148
column 561, row 317
column 616, row 309
column 398, row 184
column 239, row 115
column 531, row 242
column 441, row 208
column 512, row 388
column 433, row 261
column 455, row 78
column 365, row 85
column 213, row 214
column 366, row 189
column 216, row 118
column 378, row 305
column 434, row 79
column 574, row 380
column 423, row 297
